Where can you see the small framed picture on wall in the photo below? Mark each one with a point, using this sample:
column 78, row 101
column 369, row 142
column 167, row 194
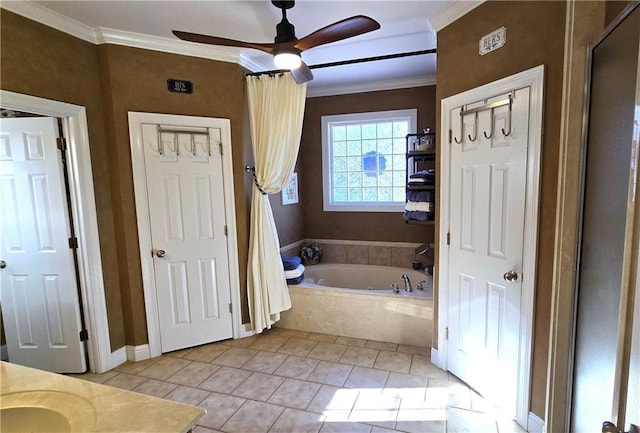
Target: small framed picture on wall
column 290, row 192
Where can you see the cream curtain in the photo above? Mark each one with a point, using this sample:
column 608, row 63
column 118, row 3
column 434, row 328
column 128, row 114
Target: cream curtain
column 276, row 111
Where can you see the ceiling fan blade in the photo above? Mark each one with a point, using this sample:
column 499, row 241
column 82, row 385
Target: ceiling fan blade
column 214, row 40
column 302, row 74
column 338, row 31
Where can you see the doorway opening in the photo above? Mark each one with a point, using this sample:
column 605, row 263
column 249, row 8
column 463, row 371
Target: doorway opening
column 488, row 237
column 84, row 218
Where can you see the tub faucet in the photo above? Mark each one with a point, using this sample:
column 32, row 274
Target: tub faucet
column 407, row 283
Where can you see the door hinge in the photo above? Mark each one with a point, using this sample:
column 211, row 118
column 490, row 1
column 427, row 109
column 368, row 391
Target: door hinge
column 220, row 147
column 84, row 335
column 73, row 243
column 62, row 144
column 450, row 134
column 446, row 333
column 448, row 238
column 226, row 231
column 230, row 308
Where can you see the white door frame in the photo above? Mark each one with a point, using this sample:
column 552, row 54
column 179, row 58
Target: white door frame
column 84, row 219
column 136, row 119
column 534, row 78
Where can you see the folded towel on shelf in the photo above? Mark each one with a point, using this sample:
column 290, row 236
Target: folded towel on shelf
column 290, row 263
column 424, row 174
column 427, row 177
column 297, row 272
column 421, row 196
column 417, row 215
column 420, row 206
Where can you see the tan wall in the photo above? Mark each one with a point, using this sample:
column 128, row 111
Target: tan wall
column 290, row 218
column 356, row 225
column 535, row 36
column 37, row 60
column 109, row 81
column 136, row 80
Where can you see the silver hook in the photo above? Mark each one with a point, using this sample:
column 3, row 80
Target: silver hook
column 461, row 129
column 506, row 134
column 492, row 127
column 176, row 142
column 193, row 145
column 475, row 128
column 160, row 144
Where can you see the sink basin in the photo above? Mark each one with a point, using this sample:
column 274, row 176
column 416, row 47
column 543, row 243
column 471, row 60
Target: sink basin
column 45, row 411
column 32, row 419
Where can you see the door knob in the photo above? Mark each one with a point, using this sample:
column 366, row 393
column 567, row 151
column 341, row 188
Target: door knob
column 3, row 264
column 160, row 253
column 510, row 276
column 609, row 427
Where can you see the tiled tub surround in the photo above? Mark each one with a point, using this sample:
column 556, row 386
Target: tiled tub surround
column 293, row 381
column 398, row 254
column 400, row 318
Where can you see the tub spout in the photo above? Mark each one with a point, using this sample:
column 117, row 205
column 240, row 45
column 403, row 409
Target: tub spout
column 407, row 283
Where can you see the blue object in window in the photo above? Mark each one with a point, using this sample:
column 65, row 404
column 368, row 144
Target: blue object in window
column 373, row 163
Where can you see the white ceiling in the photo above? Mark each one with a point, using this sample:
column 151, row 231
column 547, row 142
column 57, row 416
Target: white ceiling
column 406, row 26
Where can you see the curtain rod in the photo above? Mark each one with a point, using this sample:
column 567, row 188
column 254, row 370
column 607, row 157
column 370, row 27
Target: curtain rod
column 348, row 62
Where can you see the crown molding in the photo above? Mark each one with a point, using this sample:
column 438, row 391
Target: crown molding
column 167, row 45
column 451, row 13
column 43, row 15
column 101, row 35
column 251, row 64
column 373, row 86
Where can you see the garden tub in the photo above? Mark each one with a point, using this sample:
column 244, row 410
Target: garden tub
column 356, row 301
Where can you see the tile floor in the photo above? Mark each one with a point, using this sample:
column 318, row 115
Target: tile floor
column 298, row 382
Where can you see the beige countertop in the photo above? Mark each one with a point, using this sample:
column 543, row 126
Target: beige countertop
column 87, row 406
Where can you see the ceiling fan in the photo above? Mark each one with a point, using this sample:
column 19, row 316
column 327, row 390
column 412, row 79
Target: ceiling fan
column 286, row 47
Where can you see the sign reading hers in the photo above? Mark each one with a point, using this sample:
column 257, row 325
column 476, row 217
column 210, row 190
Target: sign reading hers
column 179, row 86
column 493, row 41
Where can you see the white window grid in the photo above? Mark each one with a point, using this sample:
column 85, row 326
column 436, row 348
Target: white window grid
column 349, row 184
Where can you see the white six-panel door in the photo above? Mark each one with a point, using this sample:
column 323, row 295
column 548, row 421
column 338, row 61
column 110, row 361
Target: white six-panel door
column 187, row 218
column 487, row 190
column 37, row 284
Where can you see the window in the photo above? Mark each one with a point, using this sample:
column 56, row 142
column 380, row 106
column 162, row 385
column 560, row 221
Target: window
column 364, row 162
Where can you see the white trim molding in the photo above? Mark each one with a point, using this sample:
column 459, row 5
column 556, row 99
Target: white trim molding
column 535, row 424
column 166, row 45
column 240, row 56
column 138, row 353
column 46, row 16
column 84, row 217
column 101, row 35
column 373, row 86
column 452, row 12
column 534, row 78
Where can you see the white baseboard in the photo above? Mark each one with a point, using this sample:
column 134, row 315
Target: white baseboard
column 4, row 353
column 129, row 353
column 138, row 353
column 435, row 359
column 535, row 424
column 246, row 330
column 118, row 357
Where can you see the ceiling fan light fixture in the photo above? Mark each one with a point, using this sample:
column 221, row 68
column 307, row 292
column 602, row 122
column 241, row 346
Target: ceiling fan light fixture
column 287, row 60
